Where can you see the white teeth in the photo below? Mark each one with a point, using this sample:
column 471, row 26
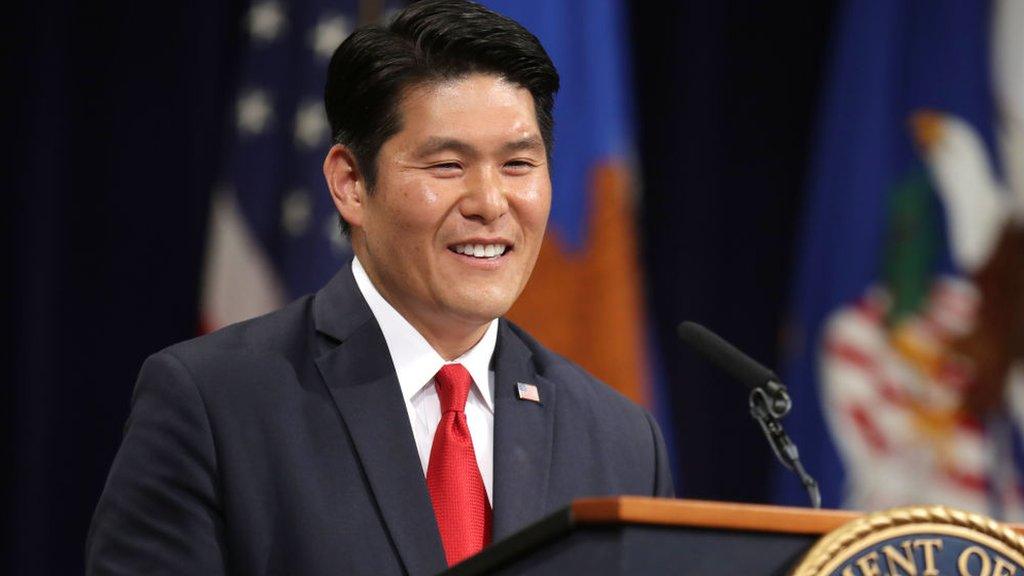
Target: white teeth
column 481, row 250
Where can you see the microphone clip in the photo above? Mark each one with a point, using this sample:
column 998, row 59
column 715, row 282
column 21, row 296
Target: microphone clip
column 772, row 398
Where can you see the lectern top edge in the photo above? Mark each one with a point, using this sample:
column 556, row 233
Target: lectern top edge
column 706, row 514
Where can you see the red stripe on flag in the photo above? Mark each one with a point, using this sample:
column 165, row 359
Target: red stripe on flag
column 853, row 355
column 862, row 418
column 966, row 480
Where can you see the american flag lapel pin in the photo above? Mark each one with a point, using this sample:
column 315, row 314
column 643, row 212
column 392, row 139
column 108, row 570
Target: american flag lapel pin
column 527, row 392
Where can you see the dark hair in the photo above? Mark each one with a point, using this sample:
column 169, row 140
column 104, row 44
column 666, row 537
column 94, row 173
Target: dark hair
column 430, row 41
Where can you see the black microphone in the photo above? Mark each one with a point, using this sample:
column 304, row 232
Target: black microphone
column 726, row 356
column 737, row 364
column 768, row 398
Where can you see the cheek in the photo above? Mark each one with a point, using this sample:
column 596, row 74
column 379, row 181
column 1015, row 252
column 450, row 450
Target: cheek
column 408, row 209
column 533, row 203
column 416, row 204
column 418, row 192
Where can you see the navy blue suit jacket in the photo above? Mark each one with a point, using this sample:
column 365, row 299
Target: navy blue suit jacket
column 282, row 445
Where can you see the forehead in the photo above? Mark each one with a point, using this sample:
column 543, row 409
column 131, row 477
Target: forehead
column 471, row 103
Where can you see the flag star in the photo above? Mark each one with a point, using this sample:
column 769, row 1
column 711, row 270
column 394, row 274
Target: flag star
column 296, row 210
column 310, row 124
column 254, row 112
column 332, row 230
column 266, row 21
column 329, row 33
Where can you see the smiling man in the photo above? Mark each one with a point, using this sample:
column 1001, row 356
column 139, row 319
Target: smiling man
column 392, row 423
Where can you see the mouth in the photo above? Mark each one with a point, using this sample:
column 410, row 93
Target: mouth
column 482, row 250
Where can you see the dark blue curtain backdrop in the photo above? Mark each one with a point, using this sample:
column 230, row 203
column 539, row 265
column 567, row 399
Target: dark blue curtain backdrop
column 114, row 143
column 117, row 122
column 727, row 93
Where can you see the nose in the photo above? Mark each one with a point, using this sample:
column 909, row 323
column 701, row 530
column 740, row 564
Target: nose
column 485, row 199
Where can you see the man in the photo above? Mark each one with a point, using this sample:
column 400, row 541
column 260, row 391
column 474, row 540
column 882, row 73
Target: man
column 392, row 422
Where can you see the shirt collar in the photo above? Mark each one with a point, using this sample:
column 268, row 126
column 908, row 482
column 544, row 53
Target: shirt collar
column 416, row 362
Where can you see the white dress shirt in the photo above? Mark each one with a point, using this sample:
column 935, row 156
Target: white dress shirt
column 416, row 362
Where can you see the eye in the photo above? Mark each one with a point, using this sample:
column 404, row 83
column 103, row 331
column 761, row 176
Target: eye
column 446, row 169
column 519, row 166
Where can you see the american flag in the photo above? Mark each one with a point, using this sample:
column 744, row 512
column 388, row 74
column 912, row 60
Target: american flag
column 527, row 392
column 274, row 233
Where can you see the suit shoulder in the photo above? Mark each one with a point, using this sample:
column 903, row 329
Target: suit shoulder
column 269, row 331
column 284, row 332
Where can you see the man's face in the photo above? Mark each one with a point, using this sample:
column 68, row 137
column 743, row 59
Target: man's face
column 452, row 230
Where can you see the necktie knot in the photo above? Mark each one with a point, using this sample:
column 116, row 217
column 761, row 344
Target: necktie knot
column 453, row 382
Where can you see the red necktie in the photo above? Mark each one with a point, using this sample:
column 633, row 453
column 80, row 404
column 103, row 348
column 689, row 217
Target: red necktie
column 453, row 478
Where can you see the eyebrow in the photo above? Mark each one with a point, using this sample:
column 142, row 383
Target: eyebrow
column 528, row 144
column 436, row 144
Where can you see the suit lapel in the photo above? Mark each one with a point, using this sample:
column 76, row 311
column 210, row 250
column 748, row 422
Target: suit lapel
column 362, row 381
column 522, row 437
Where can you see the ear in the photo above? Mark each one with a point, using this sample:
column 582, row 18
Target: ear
column 345, row 180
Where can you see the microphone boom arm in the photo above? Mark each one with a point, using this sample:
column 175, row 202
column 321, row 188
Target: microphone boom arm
column 768, row 405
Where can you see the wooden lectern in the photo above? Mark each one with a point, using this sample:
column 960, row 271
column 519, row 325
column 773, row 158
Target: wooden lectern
column 635, row 535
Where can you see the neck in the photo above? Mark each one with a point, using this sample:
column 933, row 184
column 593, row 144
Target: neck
column 450, row 337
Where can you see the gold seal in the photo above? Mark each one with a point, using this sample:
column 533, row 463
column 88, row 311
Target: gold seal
column 925, row 541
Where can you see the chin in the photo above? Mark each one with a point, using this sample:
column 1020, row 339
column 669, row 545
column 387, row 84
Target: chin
column 493, row 295
column 481, row 310
column 483, row 314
